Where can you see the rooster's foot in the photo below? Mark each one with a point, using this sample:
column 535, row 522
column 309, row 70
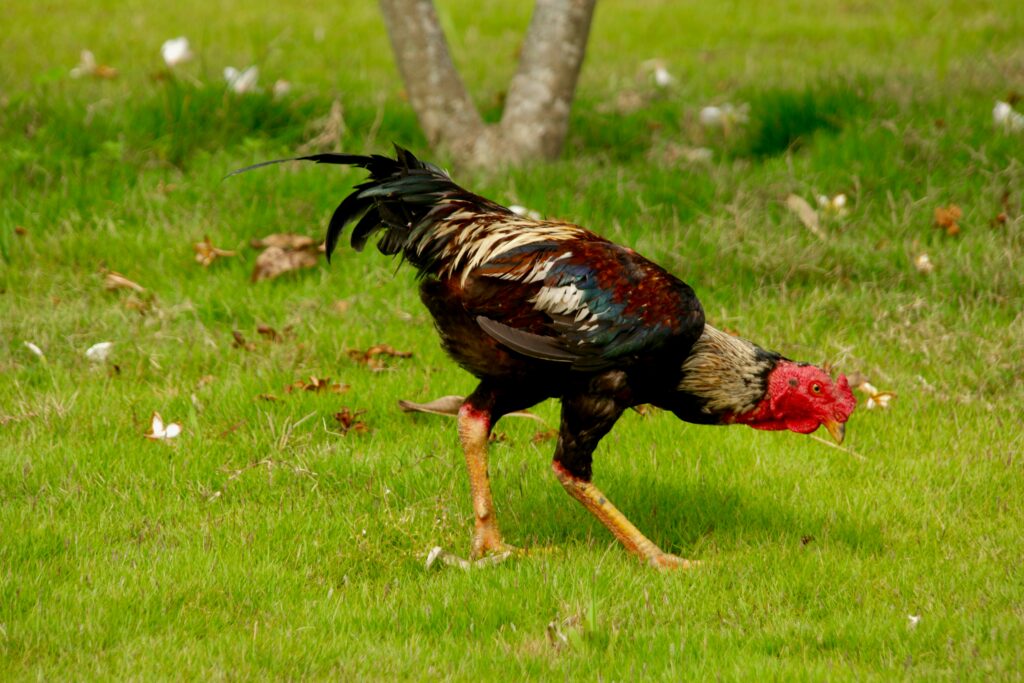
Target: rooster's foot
column 668, row 561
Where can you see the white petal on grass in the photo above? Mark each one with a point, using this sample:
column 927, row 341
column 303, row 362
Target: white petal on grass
column 281, row 88
column 34, row 349
column 662, row 77
column 913, row 620
column 833, row 206
column 176, row 51
column 711, row 117
column 1004, row 116
column 98, row 353
column 923, row 264
column 243, row 81
column 158, row 431
column 86, row 65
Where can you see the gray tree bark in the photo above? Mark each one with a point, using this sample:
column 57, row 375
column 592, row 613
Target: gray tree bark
column 535, row 120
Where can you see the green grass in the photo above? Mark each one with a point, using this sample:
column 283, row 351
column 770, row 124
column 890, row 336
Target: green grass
column 263, row 543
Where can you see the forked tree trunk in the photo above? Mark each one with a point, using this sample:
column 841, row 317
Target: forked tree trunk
column 536, row 116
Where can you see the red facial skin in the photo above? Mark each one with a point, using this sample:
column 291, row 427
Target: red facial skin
column 800, row 398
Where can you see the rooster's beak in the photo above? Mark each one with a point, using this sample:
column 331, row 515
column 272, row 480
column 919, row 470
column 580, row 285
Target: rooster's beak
column 836, row 429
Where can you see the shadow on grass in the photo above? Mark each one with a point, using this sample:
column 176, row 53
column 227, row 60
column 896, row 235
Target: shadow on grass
column 681, row 515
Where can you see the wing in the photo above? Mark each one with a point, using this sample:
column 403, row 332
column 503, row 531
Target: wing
column 590, row 303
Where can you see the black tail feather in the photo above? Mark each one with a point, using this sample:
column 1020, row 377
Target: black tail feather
column 398, row 195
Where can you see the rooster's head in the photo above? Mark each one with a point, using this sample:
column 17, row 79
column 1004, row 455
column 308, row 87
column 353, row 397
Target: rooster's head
column 801, row 397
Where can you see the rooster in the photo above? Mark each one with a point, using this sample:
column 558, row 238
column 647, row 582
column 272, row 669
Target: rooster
column 545, row 309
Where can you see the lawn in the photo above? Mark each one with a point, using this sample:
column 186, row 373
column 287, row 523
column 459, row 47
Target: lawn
column 266, row 541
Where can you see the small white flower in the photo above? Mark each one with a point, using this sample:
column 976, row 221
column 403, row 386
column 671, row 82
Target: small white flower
column 876, row 398
column 525, row 212
column 281, row 88
column 34, row 349
column 833, row 206
column 726, row 116
column 86, row 65
column 176, row 51
column 158, row 431
column 243, row 81
column 923, row 264
column 914, row 619
column 662, row 77
column 711, row 117
column 98, row 353
column 1006, row 118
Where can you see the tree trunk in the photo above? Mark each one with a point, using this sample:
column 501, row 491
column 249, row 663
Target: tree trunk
column 535, row 121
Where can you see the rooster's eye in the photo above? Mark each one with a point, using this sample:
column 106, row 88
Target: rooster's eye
column 816, row 388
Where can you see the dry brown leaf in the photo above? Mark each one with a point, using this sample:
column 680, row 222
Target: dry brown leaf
column 545, row 435
column 20, row 230
column 240, row 342
column 946, row 217
column 206, row 253
column 114, row 280
column 347, row 422
column 269, row 333
column 371, row 357
column 276, row 261
column 266, row 397
column 284, row 240
column 806, row 213
column 317, row 384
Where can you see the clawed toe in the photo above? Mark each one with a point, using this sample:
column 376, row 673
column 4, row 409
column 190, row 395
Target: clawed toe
column 668, row 561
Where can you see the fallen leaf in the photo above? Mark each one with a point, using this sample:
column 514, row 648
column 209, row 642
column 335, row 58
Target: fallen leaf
column 158, row 431
column 805, row 540
column 283, row 240
column 545, row 435
column 20, row 230
column 269, row 333
column 317, row 384
column 239, row 341
column 134, row 303
column 206, row 253
column 347, row 421
column 341, row 306
column 946, row 217
column 807, row 215
column 371, row 357
column 87, row 66
column 266, row 397
column 275, row 261
column 114, row 280
column 231, row 429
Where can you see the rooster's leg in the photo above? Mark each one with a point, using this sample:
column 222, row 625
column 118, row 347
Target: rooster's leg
column 475, row 421
column 585, row 420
